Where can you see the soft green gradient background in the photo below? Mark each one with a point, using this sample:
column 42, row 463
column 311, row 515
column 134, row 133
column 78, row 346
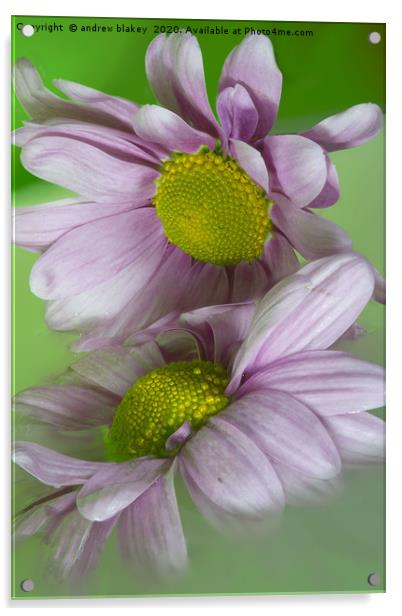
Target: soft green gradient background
column 332, row 548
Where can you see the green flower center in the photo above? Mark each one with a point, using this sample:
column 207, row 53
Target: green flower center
column 160, row 402
column 211, row 208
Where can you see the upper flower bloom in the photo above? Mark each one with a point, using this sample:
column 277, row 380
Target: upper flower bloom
column 175, row 210
column 245, row 401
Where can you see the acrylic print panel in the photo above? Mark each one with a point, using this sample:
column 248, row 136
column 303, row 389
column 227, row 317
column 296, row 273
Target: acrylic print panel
column 177, row 481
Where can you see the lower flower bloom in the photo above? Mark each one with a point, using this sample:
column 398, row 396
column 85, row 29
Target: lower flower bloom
column 247, row 402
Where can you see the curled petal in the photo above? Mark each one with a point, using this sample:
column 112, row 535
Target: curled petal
column 349, row 128
column 331, row 191
column 237, row 113
column 252, row 65
column 53, row 468
column 116, row 486
column 41, row 104
column 176, row 74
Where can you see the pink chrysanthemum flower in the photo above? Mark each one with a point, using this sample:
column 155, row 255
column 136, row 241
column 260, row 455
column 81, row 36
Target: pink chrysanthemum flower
column 175, row 210
column 245, row 401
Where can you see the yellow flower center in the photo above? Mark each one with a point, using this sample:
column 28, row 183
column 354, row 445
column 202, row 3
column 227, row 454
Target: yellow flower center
column 160, row 402
column 211, row 208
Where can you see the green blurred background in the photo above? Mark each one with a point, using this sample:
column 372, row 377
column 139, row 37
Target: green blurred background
column 332, row 548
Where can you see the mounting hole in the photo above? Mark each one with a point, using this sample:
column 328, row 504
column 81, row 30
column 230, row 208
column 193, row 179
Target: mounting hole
column 374, row 37
column 27, row 585
column 28, row 30
column 373, row 579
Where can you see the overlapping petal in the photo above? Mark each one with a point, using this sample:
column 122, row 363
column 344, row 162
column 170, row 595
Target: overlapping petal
column 116, row 486
column 42, row 104
column 231, row 471
column 53, row 468
column 314, row 237
column 150, row 529
column 286, row 431
column 176, row 73
column 237, row 112
column 98, row 251
column 360, row 437
column 252, row 65
column 309, row 310
column 328, row 382
column 88, row 170
column 297, row 169
column 67, row 406
column 37, row 227
column 159, row 125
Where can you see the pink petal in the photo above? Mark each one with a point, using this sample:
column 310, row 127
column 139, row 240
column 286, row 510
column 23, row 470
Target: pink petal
column 301, row 490
column 116, row 369
column 179, row 437
column 349, row 128
column 170, row 281
column 250, row 281
column 88, row 170
column 311, row 235
column 53, row 468
column 35, row 516
column 76, row 543
column 38, row 226
column 309, row 310
column 228, row 325
column 251, row 161
column 237, row 113
column 41, row 104
column 99, row 250
column 360, row 437
column 150, row 530
column 176, row 74
column 116, row 486
column 252, row 64
column 120, row 108
column 379, row 288
column 331, row 191
column 230, row 470
column 297, row 169
column 162, row 126
column 286, row 431
column 67, row 406
column 280, row 258
column 84, row 560
column 328, row 382
column 113, row 142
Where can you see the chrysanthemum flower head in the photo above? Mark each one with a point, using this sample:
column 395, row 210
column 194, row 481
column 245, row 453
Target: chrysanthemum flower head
column 246, row 401
column 175, row 209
